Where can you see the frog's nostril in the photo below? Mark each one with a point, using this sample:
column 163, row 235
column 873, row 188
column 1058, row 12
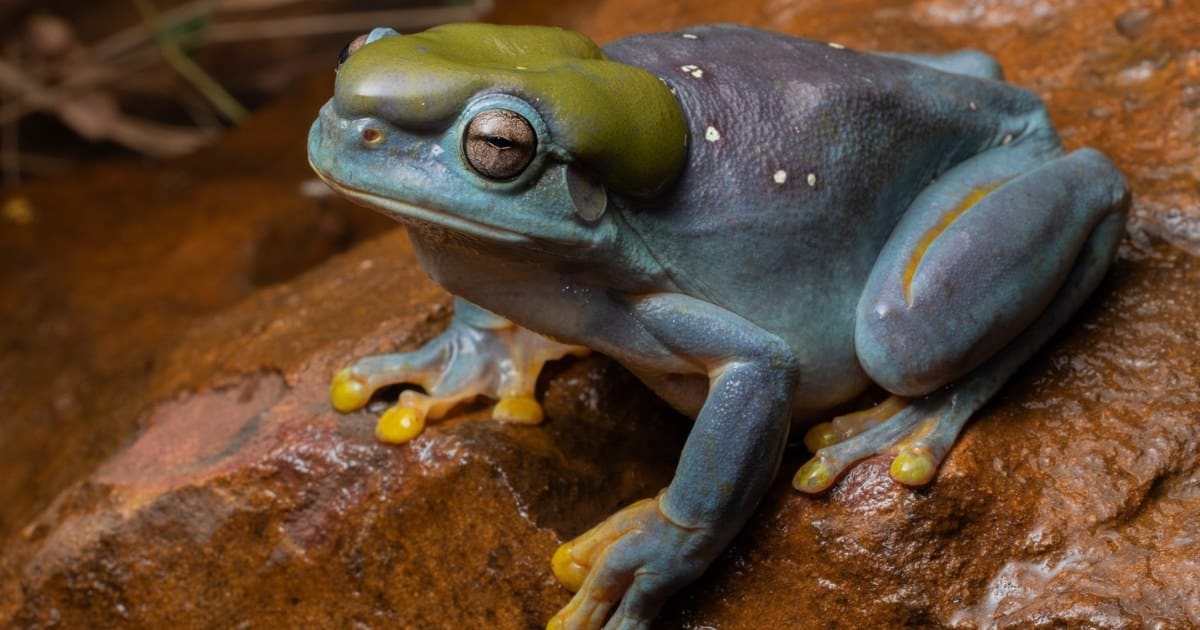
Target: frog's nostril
column 371, row 135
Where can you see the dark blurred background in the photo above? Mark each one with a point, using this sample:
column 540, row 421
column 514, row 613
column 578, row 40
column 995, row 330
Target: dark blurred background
column 160, row 78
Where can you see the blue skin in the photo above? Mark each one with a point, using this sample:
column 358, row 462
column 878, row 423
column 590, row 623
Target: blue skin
column 767, row 285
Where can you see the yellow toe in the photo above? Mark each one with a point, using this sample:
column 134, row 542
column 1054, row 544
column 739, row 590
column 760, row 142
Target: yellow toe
column 399, row 425
column 913, row 467
column 814, row 476
column 518, row 409
column 347, row 392
column 570, row 573
column 820, row 436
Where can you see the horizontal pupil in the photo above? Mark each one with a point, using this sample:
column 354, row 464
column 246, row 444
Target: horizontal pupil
column 500, row 143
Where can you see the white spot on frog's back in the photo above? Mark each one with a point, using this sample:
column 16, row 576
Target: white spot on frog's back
column 711, row 134
column 436, row 150
column 693, row 70
column 690, row 36
column 780, row 176
column 811, row 178
column 835, row 45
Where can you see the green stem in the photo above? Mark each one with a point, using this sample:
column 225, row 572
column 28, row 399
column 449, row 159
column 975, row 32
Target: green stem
column 188, row 69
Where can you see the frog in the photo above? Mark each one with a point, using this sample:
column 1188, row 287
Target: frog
column 762, row 228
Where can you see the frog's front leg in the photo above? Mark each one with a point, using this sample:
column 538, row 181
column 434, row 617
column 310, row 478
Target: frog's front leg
column 479, row 354
column 647, row 551
column 986, row 264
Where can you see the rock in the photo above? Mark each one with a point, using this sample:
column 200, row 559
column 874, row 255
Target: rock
column 1134, row 23
column 110, row 265
column 247, row 500
column 1070, row 500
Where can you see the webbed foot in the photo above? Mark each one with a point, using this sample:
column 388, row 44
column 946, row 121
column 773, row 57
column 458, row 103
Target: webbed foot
column 479, row 354
column 917, row 433
column 849, row 425
column 637, row 557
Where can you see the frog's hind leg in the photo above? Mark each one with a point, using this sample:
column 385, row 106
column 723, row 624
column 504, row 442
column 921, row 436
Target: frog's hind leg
column 986, row 265
column 969, row 62
column 479, row 354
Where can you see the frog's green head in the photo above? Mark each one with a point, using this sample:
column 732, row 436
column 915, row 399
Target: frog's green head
column 504, row 133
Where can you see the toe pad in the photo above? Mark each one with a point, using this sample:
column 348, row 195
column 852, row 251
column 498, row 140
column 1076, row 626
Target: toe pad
column 399, row 425
column 347, row 392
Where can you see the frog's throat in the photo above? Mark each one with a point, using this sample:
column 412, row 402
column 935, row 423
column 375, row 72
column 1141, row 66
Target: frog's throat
column 400, row 209
column 621, row 121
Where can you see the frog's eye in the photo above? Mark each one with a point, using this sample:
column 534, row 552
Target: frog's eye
column 499, row 143
column 351, row 48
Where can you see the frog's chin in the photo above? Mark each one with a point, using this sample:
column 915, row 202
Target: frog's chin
column 406, row 212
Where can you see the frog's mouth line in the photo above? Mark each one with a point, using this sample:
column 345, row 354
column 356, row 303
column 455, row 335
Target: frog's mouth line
column 419, row 213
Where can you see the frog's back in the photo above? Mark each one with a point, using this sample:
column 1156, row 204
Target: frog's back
column 802, row 156
column 759, row 102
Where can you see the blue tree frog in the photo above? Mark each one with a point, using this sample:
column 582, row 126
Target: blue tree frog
column 759, row 227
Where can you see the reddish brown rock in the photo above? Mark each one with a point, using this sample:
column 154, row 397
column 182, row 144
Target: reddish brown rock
column 1069, row 501
column 252, row 501
column 116, row 261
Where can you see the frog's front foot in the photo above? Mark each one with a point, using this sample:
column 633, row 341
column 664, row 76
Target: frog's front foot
column 637, row 557
column 479, row 354
column 917, row 433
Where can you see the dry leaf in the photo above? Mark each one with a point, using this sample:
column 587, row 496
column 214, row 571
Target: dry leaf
column 252, row 5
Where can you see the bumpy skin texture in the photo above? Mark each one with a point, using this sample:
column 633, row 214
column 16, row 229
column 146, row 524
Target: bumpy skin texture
column 839, row 219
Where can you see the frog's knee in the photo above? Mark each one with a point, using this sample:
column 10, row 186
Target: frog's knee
column 1107, row 182
column 975, row 63
column 901, row 353
column 970, row 62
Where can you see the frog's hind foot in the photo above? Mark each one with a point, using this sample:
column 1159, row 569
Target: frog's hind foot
column 849, row 425
column 479, row 354
column 917, row 434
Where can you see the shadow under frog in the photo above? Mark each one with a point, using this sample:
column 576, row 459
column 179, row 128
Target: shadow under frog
column 757, row 226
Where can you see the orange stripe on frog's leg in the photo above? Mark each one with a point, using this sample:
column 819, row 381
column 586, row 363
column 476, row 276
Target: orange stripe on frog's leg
column 948, row 219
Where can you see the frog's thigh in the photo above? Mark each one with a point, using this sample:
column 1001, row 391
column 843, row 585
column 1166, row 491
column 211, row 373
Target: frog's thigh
column 976, row 258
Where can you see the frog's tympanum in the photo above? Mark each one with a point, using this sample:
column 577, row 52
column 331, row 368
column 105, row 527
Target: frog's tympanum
column 759, row 227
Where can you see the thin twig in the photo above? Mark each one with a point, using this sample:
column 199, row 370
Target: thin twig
column 27, row 94
column 188, row 69
column 138, row 35
column 135, row 36
column 335, row 23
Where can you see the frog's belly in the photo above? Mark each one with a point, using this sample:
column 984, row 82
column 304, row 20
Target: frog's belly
column 687, row 392
column 817, row 322
column 824, row 385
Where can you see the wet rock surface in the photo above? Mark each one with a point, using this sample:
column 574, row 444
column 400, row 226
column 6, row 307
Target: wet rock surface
column 112, row 264
column 246, row 499
column 170, row 457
